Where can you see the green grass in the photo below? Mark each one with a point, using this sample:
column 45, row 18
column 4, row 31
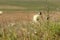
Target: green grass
column 32, row 5
column 43, row 30
column 30, row 31
column 29, row 5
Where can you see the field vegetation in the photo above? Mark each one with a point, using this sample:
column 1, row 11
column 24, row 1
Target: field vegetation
column 13, row 28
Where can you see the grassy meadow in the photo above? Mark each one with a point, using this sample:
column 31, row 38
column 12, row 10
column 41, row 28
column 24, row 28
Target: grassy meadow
column 29, row 31
column 44, row 30
column 29, row 5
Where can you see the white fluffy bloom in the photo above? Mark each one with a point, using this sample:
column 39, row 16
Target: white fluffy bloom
column 35, row 17
column 1, row 12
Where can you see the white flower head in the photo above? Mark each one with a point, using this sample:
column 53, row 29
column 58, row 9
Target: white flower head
column 1, row 12
column 36, row 17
